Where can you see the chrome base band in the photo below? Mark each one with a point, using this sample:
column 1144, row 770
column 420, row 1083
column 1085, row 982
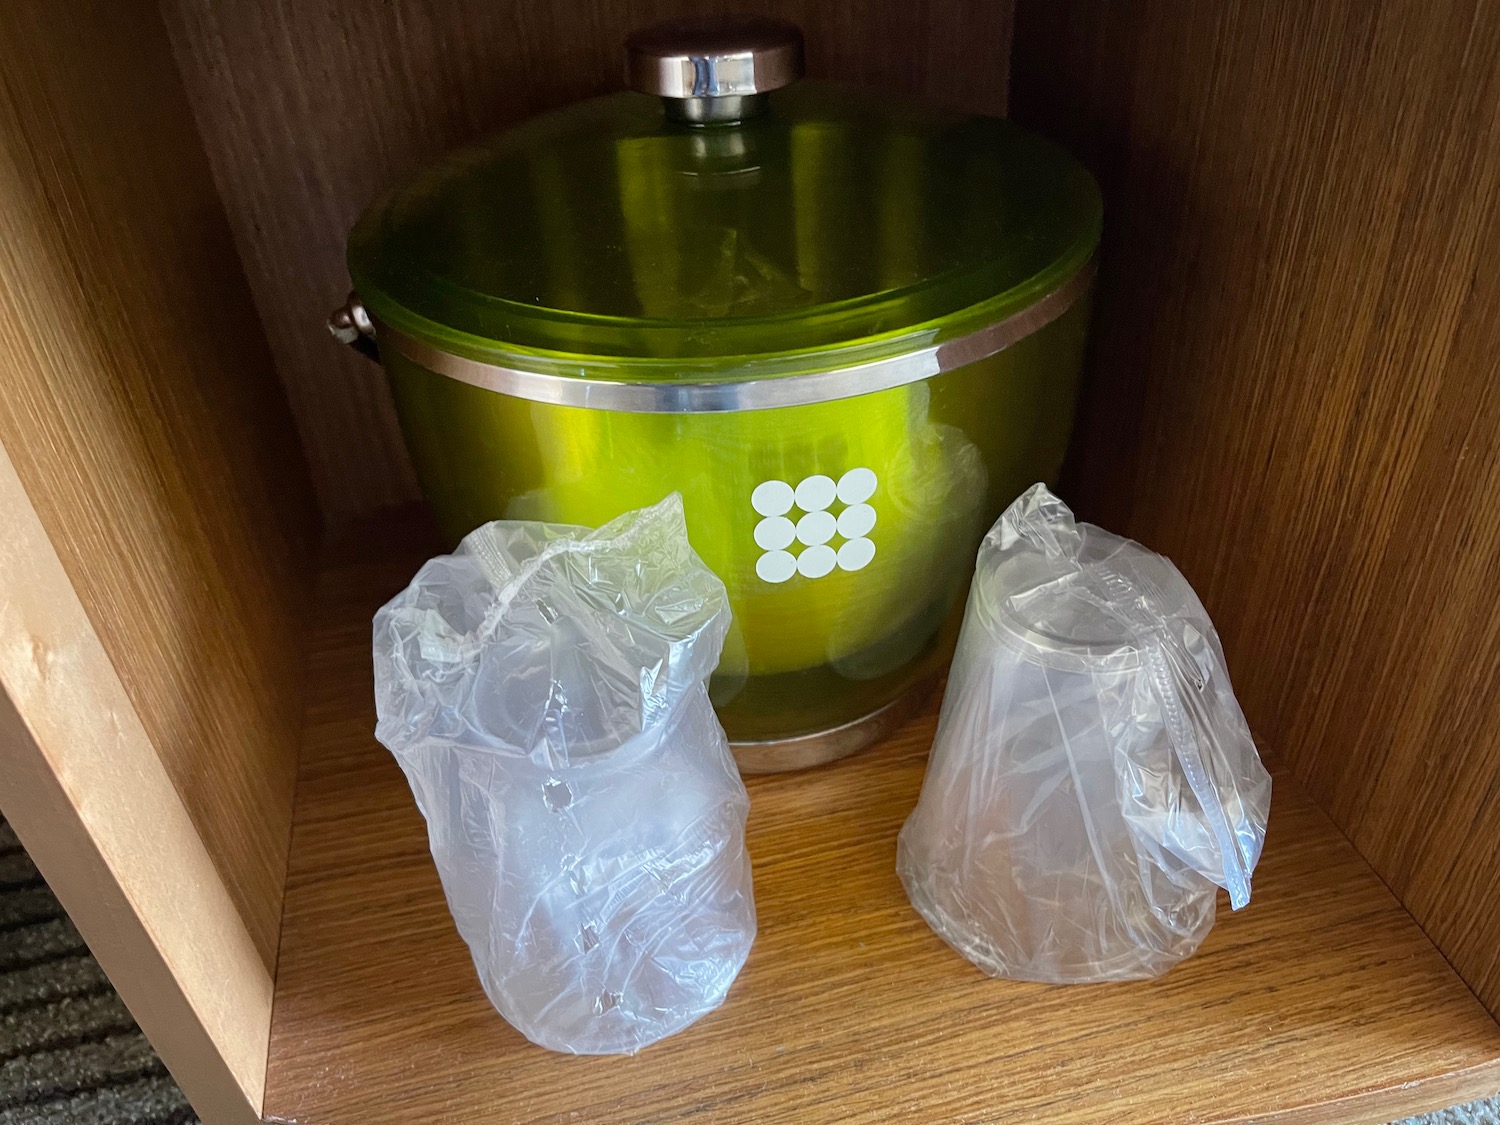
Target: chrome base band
column 805, row 751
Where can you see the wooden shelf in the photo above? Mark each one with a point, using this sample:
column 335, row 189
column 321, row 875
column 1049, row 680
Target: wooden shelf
column 1321, row 1002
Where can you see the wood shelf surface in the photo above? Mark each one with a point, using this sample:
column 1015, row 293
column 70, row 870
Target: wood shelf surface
column 1321, row 1002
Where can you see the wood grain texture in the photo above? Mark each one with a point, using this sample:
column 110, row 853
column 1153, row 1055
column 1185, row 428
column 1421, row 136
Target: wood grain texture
column 81, row 783
column 309, row 109
column 1321, row 1002
column 143, row 418
column 1296, row 387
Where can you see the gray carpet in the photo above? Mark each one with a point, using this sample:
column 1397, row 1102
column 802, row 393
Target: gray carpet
column 1486, row 1112
column 69, row 1052
column 71, row 1055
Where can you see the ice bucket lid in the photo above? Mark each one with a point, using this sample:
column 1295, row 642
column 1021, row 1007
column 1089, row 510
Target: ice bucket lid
column 814, row 227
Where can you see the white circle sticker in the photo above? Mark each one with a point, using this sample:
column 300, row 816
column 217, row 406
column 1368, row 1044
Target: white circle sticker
column 856, row 486
column 772, row 498
column 856, row 554
column 856, row 521
column 815, row 493
column 775, row 533
column 776, row 566
column 816, row 527
column 816, row 561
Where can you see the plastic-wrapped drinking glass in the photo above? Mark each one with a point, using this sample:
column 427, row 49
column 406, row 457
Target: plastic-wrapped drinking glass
column 1093, row 781
column 544, row 690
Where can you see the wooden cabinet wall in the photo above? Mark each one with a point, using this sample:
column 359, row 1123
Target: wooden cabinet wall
column 156, row 540
column 1295, row 386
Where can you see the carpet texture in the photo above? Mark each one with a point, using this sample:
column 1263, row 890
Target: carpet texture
column 1486, row 1112
column 69, row 1052
column 71, row 1055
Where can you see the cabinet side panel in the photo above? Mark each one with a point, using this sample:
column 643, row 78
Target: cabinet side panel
column 143, row 418
column 89, row 797
column 1300, row 357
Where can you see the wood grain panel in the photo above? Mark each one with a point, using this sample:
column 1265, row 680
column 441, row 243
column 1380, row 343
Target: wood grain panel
column 1296, row 387
column 1320, row 1002
column 90, row 799
column 310, row 109
column 143, row 418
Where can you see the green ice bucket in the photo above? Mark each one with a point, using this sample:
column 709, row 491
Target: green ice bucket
column 845, row 327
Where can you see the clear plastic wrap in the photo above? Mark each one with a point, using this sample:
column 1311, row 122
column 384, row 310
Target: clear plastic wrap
column 544, row 690
column 1093, row 779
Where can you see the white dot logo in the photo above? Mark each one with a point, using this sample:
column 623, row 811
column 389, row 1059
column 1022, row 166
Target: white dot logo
column 776, row 566
column 815, row 493
column 773, row 498
column 775, row 533
column 856, row 520
column 829, row 521
column 856, row 486
column 816, row 528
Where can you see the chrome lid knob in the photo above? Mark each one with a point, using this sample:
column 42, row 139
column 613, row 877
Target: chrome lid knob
column 714, row 70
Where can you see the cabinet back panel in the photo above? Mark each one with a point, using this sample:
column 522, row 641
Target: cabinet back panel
column 1296, row 386
column 309, row 109
column 144, row 421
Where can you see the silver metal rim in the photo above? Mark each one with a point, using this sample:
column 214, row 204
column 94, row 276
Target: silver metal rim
column 764, row 393
column 783, row 755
